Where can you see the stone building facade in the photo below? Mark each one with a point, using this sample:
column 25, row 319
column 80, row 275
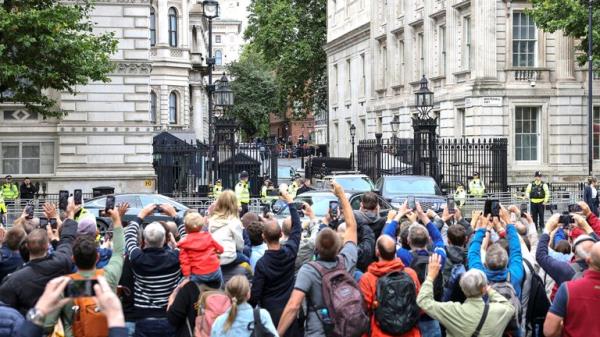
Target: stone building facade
column 106, row 138
column 493, row 72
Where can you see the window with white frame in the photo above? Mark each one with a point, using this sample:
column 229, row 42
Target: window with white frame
column 442, row 49
column 172, row 27
column 218, row 57
column 382, row 69
column 526, row 133
column 420, row 55
column 217, row 38
column 152, row 27
column 334, row 94
column 333, row 11
column 363, row 127
column 348, row 89
column 596, row 128
column 399, row 59
column 27, row 157
column 153, row 107
column 399, row 7
column 173, row 108
column 363, row 76
column 466, row 45
column 524, row 40
column 460, row 122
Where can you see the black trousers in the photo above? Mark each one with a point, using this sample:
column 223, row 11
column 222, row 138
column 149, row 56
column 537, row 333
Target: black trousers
column 537, row 213
column 244, row 210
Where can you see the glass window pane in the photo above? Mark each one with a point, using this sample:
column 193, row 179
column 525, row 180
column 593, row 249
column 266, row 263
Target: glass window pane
column 10, row 150
column 10, row 166
column 30, row 166
column 31, row 150
column 47, row 158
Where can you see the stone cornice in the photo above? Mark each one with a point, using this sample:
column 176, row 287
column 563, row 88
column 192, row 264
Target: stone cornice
column 350, row 38
column 132, row 68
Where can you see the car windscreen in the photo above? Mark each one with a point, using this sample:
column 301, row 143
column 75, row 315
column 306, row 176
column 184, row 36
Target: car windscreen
column 411, row 186
column 355, row 184
column 319, row 204
column 284, row 172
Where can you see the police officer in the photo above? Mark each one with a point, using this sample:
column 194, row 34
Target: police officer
column 476, row 186
column 242, row 192
column 217, row 189
column 294, row 186
column 3, row 210
column 265, row 192
column 538, row 194
column 460, row 195
column 10, row 191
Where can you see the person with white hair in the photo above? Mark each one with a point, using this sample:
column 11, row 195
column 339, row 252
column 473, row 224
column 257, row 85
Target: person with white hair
column 156, row 272
column 474, row 317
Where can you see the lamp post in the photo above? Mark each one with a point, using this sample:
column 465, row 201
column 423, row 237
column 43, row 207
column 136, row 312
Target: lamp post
column 301, row 143
column 210, row 11
column 352, row 135
column 425, row 139
column 590, row 81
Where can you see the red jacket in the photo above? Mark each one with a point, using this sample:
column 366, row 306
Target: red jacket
column 583, row 306
column 198, row 254
column 368, row 287
column 594, row 222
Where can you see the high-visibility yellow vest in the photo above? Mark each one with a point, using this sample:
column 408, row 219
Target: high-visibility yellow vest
column 10, row 191
column 476, row 188
column 293, row 189
column 217, row 190
column 538, row 193
column 242, row 192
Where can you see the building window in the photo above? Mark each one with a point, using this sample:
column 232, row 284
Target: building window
column 382, row 69
column 333, row 11
column 526, row 133
column 363, row 127
column 400, row 60
column 466, row 50
column 399, row 7
column 363, row 78
column 218, row 57
column 596, row 128
column 152, row 27
column 173, row 108
column 217, row 38
column 524, row 40
column 334, row 96
column 172, row 27
column 442, row 46
column 27, row 158
column 153, row 107
column 348, row 90
column 460, row 122
column 421, row 54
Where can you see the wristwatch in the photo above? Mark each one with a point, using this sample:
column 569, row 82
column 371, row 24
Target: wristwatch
column 35, row 316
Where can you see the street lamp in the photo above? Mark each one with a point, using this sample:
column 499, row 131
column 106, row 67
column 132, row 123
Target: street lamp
column 590, row 81
column 210, row 11
column 395, row 125
column 223, row 95
column 352, row 135
column 423, row 99
column 425, row 139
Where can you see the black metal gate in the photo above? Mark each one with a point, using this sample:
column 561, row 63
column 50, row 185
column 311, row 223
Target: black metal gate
column 449, row 161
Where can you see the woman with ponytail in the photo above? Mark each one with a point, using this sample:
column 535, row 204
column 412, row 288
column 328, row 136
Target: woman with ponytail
column 238, row 321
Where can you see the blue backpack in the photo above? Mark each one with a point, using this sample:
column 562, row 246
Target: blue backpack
column 452, row 290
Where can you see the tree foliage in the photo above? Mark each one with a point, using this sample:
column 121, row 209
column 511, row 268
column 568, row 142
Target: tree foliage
column 45, row 44
column 255, row 94
column 570, row 16
column 290, row 35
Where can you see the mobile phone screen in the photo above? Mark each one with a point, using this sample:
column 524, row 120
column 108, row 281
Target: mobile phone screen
column 412, row 204
column 29, row 211
column 53, row 223
column 80, row 288
column 110, row 202
column 495, row 207
column 574, row 208
column 77, row 197
column 334, row 207
column 451, row 205
column 43, row 222
column 63, row 200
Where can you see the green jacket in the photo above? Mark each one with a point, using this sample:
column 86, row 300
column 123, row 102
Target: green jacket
column 462, row 319
column 112, row 273
column 10, row 191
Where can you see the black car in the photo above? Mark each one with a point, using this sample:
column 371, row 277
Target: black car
column 395, row 189
column 136, row 203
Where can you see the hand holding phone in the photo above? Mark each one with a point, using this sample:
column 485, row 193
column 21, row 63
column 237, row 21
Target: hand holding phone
column 334, row 209
column 63, row 200
column 53, row 223
column 451, row 205
column 411, row 203
column 575, row 208
column 29, row 210
column 43, row 222
column 80, row 288
column 110, row 203
column 77, row 197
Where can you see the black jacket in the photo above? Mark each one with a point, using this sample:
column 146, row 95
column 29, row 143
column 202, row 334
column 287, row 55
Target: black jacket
column 23, row 288
column 27, row 192
column 366, row 247
column 183, row 308
column 273, row 280
column 372, row 220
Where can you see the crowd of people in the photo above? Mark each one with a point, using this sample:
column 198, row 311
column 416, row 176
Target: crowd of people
column 352, row 273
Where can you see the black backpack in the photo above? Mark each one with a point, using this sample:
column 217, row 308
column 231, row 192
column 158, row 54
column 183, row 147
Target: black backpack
column 257, row 328
column 538, row 304
column 396, row 311
column 419, row 263
column 506, row 289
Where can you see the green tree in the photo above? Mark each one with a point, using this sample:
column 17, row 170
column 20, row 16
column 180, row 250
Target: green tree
column 45, row 44
column 290, row 34
column 570, row 16
column 255, row 93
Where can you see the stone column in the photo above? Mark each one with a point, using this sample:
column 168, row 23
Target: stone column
column 452, row 44
column 565, row 65
column 483, row 39
column 162, row 24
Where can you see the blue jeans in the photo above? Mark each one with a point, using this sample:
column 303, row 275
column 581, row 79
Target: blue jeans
column 430, row 328
column 130, row 328
column 154, row 328
column 214, row 278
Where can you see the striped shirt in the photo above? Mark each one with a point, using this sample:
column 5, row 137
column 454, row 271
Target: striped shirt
column 156, row 274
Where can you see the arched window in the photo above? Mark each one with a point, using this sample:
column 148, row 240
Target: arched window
column 173, row 108
column 218, row 57
column 172, row 27
column 152, row 27
column 153, row 107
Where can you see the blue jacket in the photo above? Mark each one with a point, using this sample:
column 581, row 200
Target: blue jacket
column 245, row 315
column 405, row 255
column 10, row 320
column 515, row 259
column 9, row 261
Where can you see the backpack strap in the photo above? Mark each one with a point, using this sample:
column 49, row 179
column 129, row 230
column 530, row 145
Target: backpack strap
column 256, row 326
column 486, row 308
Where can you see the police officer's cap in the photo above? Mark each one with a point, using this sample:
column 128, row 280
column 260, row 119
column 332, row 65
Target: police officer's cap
column 475, row 174
column 219, row 180
column 538, row 174
column 244, row 174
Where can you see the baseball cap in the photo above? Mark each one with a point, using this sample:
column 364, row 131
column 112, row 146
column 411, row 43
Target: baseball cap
column 244, row 174
column 538, row 174
column 582, row 238
column 87, row 226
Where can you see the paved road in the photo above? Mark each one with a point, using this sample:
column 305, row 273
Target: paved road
column 295, row 162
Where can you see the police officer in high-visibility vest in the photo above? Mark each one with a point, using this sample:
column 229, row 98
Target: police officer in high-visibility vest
column 3, row 210
column 538, row 194
column 10, row 191
column 242, row 192
column 460, row 195
column 217, row 189
column 266, row 193
column 476, row 186
column 294, row 186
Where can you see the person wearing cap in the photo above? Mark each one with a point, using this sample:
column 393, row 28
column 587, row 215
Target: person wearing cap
column 460, row 195
column 476, row 186
column 265, row 192
column 10, row 190
column 574, row 311
column 538, row 194
column 294, row 186
column 242, row 192
column 217, row 189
